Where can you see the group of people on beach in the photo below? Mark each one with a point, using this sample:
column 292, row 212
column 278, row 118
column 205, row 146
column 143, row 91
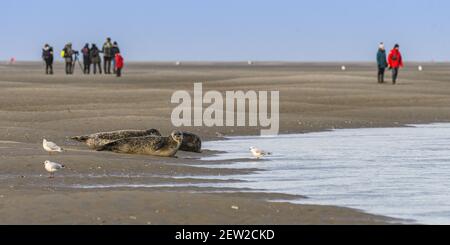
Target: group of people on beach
column 394, row 62
column 113, row 58
column 91, row 56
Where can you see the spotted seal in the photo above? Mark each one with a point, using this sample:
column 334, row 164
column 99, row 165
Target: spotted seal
column 147, row 145
column 95, row 141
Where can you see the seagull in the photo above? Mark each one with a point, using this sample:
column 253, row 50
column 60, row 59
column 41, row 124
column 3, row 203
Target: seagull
column 258, row 153
column 51, row 147
column 52, row 167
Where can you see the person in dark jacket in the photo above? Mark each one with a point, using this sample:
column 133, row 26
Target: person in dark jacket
column 47, row 56
column 382, row 62
column 115, row 50
column 68, row 57
column 86, row 51
column 395, row 61
column 107, row 55
column 96, row 60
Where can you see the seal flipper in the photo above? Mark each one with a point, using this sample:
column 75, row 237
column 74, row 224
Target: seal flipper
column 107, row 147
column 80, row 138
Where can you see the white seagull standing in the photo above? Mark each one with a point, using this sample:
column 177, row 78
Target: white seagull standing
column 51, row 147
column 52, row 168
column 258, row 153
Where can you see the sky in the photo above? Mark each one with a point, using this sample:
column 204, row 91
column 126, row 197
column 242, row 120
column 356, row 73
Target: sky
column 230, row 30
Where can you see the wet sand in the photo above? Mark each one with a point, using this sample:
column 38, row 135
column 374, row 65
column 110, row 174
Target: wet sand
column 314, row 97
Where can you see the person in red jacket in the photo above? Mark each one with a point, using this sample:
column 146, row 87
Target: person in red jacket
column 119, row 64
column 395, row 61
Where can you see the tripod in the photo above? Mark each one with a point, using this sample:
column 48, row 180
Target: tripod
column 77, row 60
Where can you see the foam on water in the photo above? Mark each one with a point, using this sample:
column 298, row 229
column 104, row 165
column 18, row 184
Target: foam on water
column 126, row 185
column 397, row 172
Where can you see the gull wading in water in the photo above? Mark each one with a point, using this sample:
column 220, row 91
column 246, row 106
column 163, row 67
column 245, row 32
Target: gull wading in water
column 51, row 147
column 52, row 168
column 258, row 153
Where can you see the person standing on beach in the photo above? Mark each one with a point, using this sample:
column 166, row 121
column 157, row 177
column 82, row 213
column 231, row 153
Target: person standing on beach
column 115, row 50
column 107, row 55
column 86, row 51
column 68, row 57
column 96, row 60
column 47, row 56
column 395, row 61
column 382, row 62
column 118, row 64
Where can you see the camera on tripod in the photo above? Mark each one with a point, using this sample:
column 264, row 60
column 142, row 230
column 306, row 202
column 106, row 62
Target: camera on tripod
column 76, row 59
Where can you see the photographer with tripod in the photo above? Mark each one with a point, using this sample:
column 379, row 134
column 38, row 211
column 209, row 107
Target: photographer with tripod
column 71, row 58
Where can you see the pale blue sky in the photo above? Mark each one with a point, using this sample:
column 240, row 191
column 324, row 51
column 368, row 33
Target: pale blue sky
column 291, row 30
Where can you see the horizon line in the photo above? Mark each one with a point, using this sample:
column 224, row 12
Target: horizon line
column 244, row 61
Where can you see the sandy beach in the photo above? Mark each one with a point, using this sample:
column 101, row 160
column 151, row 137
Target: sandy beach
column 313, row 97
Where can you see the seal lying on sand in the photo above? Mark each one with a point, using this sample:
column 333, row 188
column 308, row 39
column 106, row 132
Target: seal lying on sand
column 191, row 142
column 95, row 141
column 147, row 145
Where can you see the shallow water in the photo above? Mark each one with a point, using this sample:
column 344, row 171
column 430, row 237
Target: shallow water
column 397, row 172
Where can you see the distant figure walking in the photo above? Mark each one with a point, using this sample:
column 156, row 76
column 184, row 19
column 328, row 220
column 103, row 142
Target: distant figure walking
column 395, row 62
column 86, row 51
column 96, row 60
column 47, row 56
column 119, row 64
column 115, row 50
column 107, row 55
column 382, row 62
column 67, row 54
